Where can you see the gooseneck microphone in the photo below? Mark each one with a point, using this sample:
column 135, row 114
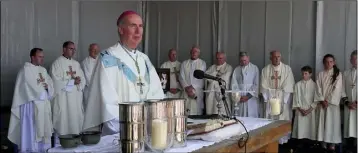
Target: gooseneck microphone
column 199, row 74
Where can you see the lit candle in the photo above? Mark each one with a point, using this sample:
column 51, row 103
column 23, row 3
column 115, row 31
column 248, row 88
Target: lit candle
column 275, row 106
column 159, row 134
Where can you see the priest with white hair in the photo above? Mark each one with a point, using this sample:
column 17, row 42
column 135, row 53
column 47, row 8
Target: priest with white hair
column 193, row 87
column 222, row 70
column 174, row 65
column 276, row 77
column 30, row 121
column 246, row 77
column 122, row 74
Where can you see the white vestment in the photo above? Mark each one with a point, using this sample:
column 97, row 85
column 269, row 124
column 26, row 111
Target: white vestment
column 350, row 115
column 329, row 119
column 30, row 121
column 87, row 65
column 67, row 104
column 174, row 80
column 224, row 72
column 247, row 78
column 303, row 97
column 186, row 79
column 278, row 77
column 114, row 81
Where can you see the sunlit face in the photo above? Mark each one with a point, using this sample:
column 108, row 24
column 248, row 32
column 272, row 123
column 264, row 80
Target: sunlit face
column 328, row 63
column 93, row 51
column 244, row 60
column 131, row 30
column 38, row 59
column 306, row 75
column 220, row 59
column 194, row 53
column 69, row 51
column 276, row 58
column 173, row 55
column 354, row 60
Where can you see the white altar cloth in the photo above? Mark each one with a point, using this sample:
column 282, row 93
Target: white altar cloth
column 106, row 144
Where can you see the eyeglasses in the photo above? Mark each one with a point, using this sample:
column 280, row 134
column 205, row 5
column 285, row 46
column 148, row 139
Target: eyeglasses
column 74, row 49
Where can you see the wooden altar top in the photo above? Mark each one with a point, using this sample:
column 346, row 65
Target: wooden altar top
column 263, row 139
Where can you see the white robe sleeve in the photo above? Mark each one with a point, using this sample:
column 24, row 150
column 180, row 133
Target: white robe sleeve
column 86, row 71
column 296, row 97
column 318, row 97
column 59, row 77
column 233, row 80
column 344, row 94
column 182, row 77
column 82, row 76
column 264, row 83
column 256, row 83
column 336, row 94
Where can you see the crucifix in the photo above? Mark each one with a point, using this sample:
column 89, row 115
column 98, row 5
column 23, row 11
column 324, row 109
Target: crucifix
column 71, row 73
column 40, row 79
column 276, row 78
column 140, row 84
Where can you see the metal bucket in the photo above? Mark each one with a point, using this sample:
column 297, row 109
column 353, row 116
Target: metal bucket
column 177, row 120
column 132, row 124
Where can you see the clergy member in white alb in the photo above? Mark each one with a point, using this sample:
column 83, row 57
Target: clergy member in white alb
column 69, row 82
column 328, row 95
column 304, row 126
column 88, row 65
column 222, row 70
column 122, row 74
column 278, row 76
column 350, row 105
column 193, row 87
column 174, row 66
column 246, row 77
column 30, row 121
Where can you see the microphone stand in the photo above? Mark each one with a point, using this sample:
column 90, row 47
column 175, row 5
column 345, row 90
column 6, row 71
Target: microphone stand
column 229, row 116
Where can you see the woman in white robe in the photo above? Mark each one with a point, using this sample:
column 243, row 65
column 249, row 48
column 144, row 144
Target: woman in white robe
column 328, row 95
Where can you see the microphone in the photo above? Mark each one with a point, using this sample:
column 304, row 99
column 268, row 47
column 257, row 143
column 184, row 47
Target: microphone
column 199, row 74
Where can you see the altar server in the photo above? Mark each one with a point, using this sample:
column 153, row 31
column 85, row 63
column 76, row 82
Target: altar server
column 278, row 76
column 246, row 77
column 122, row 74
column 88, row 65
column 174, row 65
column 328, row 95
column 193, row 87
column 30, row 121
column 304, row 126
column 350, row 103
column 222, row 70
column 69, row 83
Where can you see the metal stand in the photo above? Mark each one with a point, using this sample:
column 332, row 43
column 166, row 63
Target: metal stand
column 229, row 115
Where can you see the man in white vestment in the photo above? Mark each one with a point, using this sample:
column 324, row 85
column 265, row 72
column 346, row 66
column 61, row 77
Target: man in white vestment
column 350, row 103
column 69, row 82
column 122, row 74
column 222, row 70
column 304, row 126
column 328, row 94
column 278, row 76
column 30, row 121
column 246, row 77
column 193, row 87
column 174, row 66
column 88, row 65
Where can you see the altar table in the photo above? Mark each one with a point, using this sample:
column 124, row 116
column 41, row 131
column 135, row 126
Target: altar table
column 264, row 135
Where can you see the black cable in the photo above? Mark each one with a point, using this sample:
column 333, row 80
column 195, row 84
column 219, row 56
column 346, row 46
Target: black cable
column 242, row 139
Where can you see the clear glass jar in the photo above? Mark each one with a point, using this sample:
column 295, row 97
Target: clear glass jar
column 275, row 103
column 158, row 133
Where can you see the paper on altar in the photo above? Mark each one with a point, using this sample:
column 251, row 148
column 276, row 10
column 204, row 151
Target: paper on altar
column 220, row 134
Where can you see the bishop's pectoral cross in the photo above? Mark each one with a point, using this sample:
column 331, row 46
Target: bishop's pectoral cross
column 40, row 79
column 140, row 84
column 71, row 73
column 276, row 78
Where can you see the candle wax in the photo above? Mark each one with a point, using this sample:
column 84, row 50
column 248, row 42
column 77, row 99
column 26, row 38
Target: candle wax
column 275, row 106
column 159, row 134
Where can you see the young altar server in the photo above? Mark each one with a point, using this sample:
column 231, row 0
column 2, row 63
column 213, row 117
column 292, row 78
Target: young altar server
column 304, row 126
column 350, row 103
column 30, row 121
column 328, row 95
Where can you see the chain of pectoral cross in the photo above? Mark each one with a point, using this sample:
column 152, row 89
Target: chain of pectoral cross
column 140, row 83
